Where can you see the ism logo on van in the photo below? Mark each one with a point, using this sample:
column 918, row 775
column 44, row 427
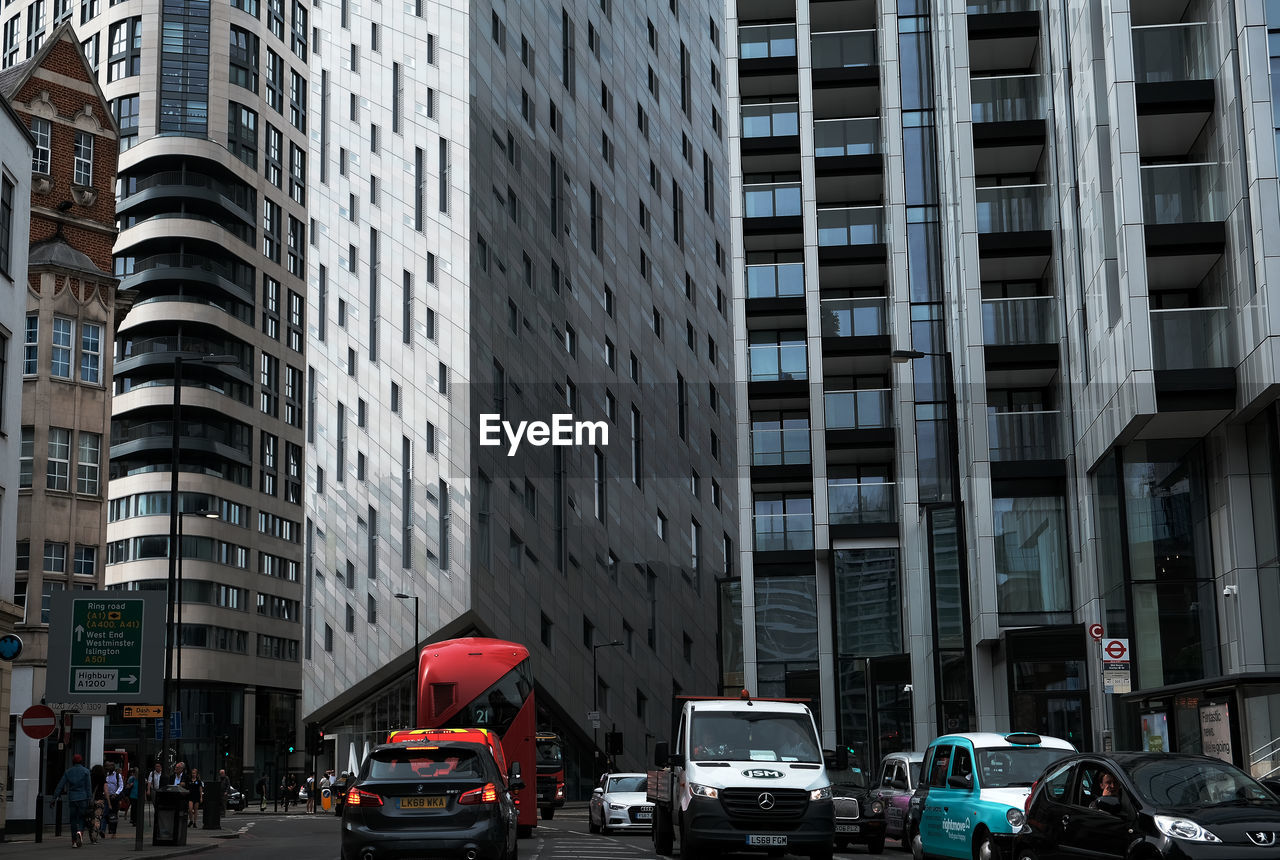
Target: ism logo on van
column 761, row 773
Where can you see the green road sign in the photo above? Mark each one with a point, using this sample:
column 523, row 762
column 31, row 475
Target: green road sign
column 106, row 646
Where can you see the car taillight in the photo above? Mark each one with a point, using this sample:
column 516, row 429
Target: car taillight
column 357, row 797
column 488, row 794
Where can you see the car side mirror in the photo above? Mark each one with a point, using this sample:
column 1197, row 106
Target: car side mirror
column 597, row 790
column 961, row 782
column 513, row 772
column 661, row 751
column 1109, row 803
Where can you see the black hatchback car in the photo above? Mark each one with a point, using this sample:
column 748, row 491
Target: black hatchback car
column 1149, row 805
column 415, row 800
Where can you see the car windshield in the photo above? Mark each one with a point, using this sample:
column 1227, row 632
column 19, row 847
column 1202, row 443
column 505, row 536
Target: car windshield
column 1194, row 782
column 747, row 736
column 850, row 777
column 627, row 783
column 549, row 752
column 424, row 763
column 1005, row 767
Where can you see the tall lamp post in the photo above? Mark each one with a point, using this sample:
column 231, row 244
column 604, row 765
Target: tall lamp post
column 417, row 661
column 595, row 694
column 174, row 527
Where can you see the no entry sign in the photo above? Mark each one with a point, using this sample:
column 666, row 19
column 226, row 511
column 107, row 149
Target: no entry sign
column 38, row 722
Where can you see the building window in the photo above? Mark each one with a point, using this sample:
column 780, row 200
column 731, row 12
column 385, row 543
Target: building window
column 41, row 130
column 126, row 110
column 12, row 33
column 125, row 57
column 35, row 27
column 60, row 358
column 88, row 463
column 26, row 457
column 86, row 562
column 546, row 629
column 91, row 353
column 83, row 165
column 242, row 132
column 6, row 224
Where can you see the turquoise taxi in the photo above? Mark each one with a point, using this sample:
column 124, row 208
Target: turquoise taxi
column 971, row 795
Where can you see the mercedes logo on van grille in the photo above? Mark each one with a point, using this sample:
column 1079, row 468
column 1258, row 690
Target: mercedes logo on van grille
column 1261, row 837
column 766, row 802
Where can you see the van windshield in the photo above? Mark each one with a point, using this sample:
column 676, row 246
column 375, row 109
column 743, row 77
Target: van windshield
column 752, row 736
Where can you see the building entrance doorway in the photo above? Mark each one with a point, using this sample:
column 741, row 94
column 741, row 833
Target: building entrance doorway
column 1049, row 683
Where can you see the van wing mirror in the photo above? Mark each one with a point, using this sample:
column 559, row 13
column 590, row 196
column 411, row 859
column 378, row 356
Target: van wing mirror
column 661, row 752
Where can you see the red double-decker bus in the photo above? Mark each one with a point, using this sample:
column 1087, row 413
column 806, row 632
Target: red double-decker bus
column 486, row 684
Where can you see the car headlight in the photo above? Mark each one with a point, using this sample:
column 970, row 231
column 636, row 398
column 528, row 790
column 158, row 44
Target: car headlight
column 1183, row 828
column 876, row 807
column 703, row 790
column 823, row 793
column 617, row 806
column 1015, row 818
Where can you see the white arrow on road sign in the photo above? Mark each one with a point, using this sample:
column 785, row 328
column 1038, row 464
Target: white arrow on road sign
column 79, row 632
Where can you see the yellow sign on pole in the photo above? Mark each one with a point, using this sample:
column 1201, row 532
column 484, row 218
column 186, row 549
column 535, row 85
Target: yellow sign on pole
column 143, row 711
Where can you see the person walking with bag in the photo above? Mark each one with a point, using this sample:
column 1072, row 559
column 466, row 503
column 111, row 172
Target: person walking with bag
column 78, row 787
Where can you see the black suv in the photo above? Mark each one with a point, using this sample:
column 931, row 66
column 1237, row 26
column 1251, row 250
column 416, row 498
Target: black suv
column 413, row 799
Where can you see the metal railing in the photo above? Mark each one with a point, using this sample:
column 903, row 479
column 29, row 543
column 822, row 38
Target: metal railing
column 1172, row 52
column 241, row 196
column 775, row 280
column 1182, row 193
column 1191, row 338
column 775, row 119
column 1011, row 322
column 772, row 200
column 1008, row 98
column 241, row 279
column 1024, row 435
column 763, row 41
column 854, row 502
column 778, row 362
column 128, row 347
column 238, row 438
column 787, row 446
column 1014, row 208
column 853, row 317
column 775, row 532
column 863, row 409
column 833, row 138
column 846, row 49
column 852, row 225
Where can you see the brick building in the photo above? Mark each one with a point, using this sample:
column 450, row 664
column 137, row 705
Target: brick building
column 72, row 308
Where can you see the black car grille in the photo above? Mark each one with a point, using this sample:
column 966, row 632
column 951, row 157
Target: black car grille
column 782, row 803
column 634, row 814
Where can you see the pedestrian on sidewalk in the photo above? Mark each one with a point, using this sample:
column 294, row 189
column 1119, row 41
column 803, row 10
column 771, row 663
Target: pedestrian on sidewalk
column 98, row 779
column 262, row 793
column 311, row 794
column 129, row 802
column 114, row 793
column 77, row 785
column 195, row 798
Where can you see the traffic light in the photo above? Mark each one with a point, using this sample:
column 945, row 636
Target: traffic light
column 613, row 743
column 315, row 739
column 224, row 746
column 290, row 742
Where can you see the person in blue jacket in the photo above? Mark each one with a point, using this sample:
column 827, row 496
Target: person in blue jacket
column 76, row 785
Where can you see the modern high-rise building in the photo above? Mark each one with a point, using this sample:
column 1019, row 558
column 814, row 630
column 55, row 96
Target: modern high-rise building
column 1001, row 281
column 211, row 102
column 71, row 308
column 524, row 217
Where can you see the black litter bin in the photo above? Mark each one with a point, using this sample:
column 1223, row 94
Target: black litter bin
column 169, row 824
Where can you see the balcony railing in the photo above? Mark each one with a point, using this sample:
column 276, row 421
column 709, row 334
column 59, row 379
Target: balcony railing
column 240, row 195
column 241, row 277
column 864, row 409
column 1191, row 338
column 1014, row 322
column 1014, row 208
column 1172, row 52
column 780, row 447
column 1182, row 193
column 1000, row 7
column 774, row 532
column 773, row 200
column 236, row 437
column 129, row 347
column 833, row 138
column 775, row 280
column 1010, row 98
column 778, row 119
column 847, row 49
column 778, row 362
column 853, row 317
column 853, row 502
column 1024, row 435
column 856, row 225
column 765, row 41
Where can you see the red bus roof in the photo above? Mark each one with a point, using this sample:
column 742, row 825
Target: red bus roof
column 460, row 655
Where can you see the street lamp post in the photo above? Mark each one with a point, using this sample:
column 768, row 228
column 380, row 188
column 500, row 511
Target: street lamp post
column 595, row 695
column 174, row 528
column 417, row 661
